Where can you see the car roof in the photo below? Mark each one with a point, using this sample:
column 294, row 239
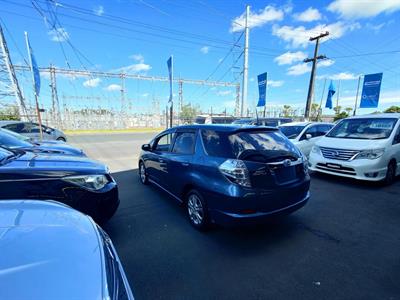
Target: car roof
column 6, row 122
column 376, row 116
column 305, row 124
column 53, row 247
column 223, row 127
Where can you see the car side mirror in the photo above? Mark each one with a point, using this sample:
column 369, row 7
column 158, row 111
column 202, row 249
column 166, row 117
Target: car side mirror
column 308, row 136
column 48, row 130
column 146, row 147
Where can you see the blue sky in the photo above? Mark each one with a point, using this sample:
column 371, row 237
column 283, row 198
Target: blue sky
column 137, row 36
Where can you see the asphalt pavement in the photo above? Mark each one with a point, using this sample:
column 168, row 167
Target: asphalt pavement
column 344, row 244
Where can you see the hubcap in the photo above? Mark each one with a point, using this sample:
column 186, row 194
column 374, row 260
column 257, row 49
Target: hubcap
column 142, row 173
column 195, row 209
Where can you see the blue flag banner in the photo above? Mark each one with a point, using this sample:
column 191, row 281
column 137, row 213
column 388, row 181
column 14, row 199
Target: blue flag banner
column 331, row 92
column 35, row 71
column 170, row 76
column 262, row 89
column 371, row 90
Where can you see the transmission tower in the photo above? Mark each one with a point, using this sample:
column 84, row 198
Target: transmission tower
column 9, row 86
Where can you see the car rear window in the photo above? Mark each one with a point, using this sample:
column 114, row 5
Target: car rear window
column 232, row 145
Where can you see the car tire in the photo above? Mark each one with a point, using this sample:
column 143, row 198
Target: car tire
column 143, row 173
column 61, row 139
column 390, row 173
column 197, row 211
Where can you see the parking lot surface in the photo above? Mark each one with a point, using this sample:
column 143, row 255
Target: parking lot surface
column 344, row 244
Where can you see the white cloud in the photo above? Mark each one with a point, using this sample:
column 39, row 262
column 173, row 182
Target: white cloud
column 299, row 36
column 144, row 95
column 377, row 27
column 113, row 87
column 204, row 49
column 363, row 9
column 137, row 57
column 290, row 57
column 309, row 15
column 339, row 76
column 299, row 69
column 275, row 83
column 91, row 83
column 58, row 35
column 252, row 79
column 134, row 68
column 229, row 104
column 99, row 10
column 224, row 93
column 325, row 63
column 257, row 19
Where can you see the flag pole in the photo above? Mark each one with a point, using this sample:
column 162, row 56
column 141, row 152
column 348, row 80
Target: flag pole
column 358, row 89
column 320, row 103
column 34, row 88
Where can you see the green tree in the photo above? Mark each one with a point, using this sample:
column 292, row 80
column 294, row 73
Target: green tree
column 188, row 113
column 393, row 109
column 337, row 109
column 349, row 110
column 341, row 115
column 10, row 113
column 287, row 111
column 314, row 113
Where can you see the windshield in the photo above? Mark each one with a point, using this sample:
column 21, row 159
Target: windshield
column 292, row 132
column 5, row 154
column 245, row 121
column 12, row 140
column 365, row 128
column 225, row 144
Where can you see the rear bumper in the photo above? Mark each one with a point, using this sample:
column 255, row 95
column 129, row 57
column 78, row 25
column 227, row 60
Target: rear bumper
column 236, row 219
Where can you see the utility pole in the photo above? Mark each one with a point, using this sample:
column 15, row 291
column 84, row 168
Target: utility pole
column 358, row 89
column 55, row 104
column 122, row 92
column 245, row 61
column 180, row 100
column 313, row 70
column 8, row 78
column 237, row 102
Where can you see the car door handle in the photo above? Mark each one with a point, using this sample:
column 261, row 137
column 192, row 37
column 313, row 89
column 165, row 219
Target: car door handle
column 160, row 160
column 185, row 164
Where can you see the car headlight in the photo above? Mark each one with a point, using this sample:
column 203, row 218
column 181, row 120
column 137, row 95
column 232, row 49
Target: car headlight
column 370, row 154
column 90, row 182
column 316, row 149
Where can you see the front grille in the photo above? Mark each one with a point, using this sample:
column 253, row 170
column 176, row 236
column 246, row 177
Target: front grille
column 336, row 168
column 338, row 154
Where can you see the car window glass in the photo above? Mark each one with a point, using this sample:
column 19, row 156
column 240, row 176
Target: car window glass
column 312, row 130
column 396, row 139
column 163, row 143
column 184, row 143
column 17, row 127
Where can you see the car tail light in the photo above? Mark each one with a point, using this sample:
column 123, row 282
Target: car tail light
column 236, row 171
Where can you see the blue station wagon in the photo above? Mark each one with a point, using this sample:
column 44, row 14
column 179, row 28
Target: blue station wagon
column 227, row 174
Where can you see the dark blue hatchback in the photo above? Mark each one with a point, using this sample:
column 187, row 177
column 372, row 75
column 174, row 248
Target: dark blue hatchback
column 227, row 174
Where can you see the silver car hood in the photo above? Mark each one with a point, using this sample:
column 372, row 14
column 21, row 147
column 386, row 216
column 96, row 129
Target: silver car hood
column 49, row 251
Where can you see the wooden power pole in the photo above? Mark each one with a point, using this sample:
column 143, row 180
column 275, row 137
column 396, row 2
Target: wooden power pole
column 313, row 69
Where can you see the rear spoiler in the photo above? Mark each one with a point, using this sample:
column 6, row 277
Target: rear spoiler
column 255, row 129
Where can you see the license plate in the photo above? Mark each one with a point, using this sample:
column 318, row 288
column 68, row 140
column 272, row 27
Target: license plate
column 286, row 174
column 333, row 166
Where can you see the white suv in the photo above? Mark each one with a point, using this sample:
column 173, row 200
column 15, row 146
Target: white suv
column 304, row 135
column 362, row 147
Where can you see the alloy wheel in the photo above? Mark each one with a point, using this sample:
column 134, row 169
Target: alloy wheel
column 195, row 209
column 142, row 173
